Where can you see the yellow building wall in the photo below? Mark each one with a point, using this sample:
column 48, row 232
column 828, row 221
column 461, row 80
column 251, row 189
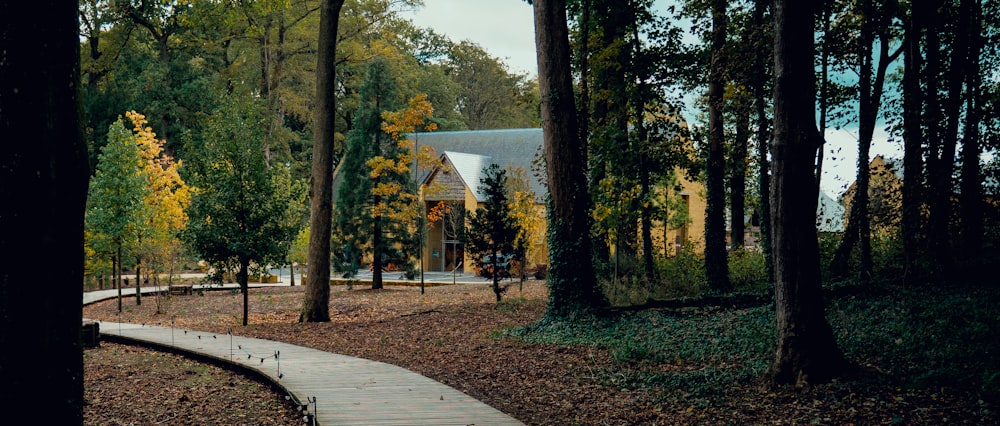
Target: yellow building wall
column 669, row 241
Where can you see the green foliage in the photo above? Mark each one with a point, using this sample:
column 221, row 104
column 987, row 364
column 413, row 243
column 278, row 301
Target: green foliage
column 683, row 274
column 237, row 215
column 929, row 337
column 377, row 196
column 493, row 230
column 711, row 347
column 748, row 269
column 115, row 210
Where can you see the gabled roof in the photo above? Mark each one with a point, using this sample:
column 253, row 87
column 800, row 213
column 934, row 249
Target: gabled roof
column 508, row 148
column 469, row 168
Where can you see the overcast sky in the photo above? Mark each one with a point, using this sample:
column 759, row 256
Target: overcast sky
column 505, row 29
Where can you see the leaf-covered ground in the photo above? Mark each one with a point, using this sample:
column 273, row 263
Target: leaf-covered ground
column 667, row 366
column 132, row 385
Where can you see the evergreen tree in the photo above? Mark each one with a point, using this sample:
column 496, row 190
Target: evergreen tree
column 377, row 192
column 493, row 231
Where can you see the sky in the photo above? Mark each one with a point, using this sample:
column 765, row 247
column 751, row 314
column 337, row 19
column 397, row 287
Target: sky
column 505, row 29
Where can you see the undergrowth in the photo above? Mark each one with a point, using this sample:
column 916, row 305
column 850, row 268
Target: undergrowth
column 918, row 337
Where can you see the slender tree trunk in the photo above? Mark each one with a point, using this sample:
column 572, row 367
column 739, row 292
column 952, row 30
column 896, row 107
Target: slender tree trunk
column 291, row 275
column 913, row 164
column 806, row 351
column 44, row 184
column 117, row 265
column 243, row 277
column 941, row 178
column 716, row 263
column 738, row 178
column 824, row 92
column 871, row 86
column 377, row 250
column 572, row 282
column 763, row 135
column 971, row 198
column 138, row 282
column 933, row 117
column 315, row 305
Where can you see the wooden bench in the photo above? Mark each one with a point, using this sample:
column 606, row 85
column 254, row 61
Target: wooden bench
column 181, row 289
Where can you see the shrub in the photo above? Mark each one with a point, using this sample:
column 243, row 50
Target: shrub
column 748, row 269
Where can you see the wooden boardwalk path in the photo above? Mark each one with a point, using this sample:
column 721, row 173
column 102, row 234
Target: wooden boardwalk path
column 339, row 389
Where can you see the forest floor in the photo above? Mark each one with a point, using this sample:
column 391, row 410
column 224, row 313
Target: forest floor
column 928, row 357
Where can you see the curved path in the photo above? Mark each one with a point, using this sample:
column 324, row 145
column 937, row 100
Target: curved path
column 337, row 389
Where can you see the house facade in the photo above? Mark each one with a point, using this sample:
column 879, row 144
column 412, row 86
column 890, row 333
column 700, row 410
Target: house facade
column 456, row 182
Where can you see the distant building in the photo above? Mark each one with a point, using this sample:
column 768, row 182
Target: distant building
column 464, row 155
column 885, row 195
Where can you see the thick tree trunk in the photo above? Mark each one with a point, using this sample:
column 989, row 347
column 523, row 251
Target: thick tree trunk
column 315, row 305
column 43, row 180
column 716, row 263
column 806, row 351
column 572, row 282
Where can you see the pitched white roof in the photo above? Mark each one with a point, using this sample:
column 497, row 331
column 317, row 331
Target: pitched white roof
column 470, row 169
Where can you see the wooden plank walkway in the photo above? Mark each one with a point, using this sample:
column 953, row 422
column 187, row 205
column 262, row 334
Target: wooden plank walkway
column 345, row 390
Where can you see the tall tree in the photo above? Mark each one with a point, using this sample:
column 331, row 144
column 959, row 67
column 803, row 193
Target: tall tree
column 874, row 31
column 43, row 166
column 316, row 303
column 116, row 212
column 759, row 82
column 572, row 282
column 236, row 215
column 716, row 263
column 376, row 202
column 971, row 191
column 492, row 232
column 806, row 351
column 913, row 135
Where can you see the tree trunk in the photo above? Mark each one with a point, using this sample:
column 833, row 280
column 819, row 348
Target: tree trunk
column 43, row 170
column 716, row 263
column 117, row 265
column 941, row 176
column 316, row 303
column 377, row 250
column 572, row 282
column 738, row 178
column 913, row 164
column 763, row 136
column 806, row 351
column 936, row 232
column 971, row 198
column 138, row 282
column 243, row 277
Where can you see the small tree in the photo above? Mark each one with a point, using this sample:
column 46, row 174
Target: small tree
column 493, row 230
column 236, row 214
column 115, row 199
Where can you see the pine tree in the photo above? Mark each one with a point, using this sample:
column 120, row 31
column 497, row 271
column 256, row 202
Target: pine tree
column 377, row 191
column 493, row 230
